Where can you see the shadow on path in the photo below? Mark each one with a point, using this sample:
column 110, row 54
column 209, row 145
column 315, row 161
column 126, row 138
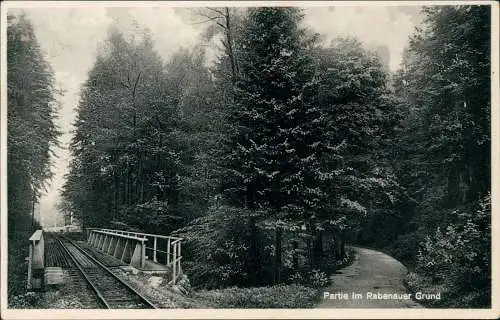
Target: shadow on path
column 371, row 273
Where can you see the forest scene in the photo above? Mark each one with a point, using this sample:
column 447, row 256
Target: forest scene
column 273, row 156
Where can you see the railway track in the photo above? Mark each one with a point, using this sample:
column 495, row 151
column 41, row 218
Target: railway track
column 112, row 292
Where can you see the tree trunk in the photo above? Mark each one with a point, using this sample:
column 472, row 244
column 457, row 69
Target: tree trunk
column 295, row 259
column 338, row 245
column 133, row 189
column 277, row 260
column 126, row 187
column 139, row 179
column 234, row 68
column 115, row 195
column 253, row 253
column 310, row 253
column 342, row 244
column 33, row 213
column 121, row 192
column 318, row 248
column 453, row 185
column 141, row 192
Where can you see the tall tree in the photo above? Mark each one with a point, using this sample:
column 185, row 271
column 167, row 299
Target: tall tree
column 143, row 140
column 447, row 83
column 31, row 133
column 361, row 114
column 445, row 158
column 273, row 162
column 127, row 145
column 202, row 117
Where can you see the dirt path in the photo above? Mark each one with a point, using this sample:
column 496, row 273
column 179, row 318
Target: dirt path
column 371, row 275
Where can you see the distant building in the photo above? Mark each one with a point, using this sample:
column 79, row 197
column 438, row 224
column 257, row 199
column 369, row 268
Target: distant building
column 68, row 219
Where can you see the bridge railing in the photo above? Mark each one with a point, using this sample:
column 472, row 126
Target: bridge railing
column 36, row 260
column 170, row 253
column 129, row 249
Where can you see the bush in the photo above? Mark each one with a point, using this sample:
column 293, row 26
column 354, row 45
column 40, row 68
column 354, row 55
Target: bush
column 218, row 250
column 404, row 248
column 151, row 216
column 456, row 260
column 209, row 275
column 314, row 279
column 318, row 279
column 17, row 268
column 25, row 301
column 279, row 296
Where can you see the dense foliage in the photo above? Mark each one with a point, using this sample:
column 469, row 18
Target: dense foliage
column 444, row 155
column 270, row 158
column 290, row 165
column 457, row 260
column 138, row 140
column 219, row 245
column 31, row 136
column 362, row 117
column 273, row 163
column 285, row 147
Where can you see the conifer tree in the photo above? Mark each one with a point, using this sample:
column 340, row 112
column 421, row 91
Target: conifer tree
column 31, row 133
column 127, row 143
column 274, row 162
column 362, row 115
column 445, row 151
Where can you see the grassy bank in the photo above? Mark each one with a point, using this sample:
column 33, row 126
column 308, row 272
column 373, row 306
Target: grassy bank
column 279, row 296
column 17, row 266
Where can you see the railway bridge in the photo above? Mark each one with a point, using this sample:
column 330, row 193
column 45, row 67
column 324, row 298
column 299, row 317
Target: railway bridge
column 92, row 261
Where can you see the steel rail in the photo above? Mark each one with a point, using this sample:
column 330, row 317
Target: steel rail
column 97, row 262
column 142, row 298
column 77, row 264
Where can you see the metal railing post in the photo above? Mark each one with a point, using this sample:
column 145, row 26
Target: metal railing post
column 179, row 258
column 174, row 273
column 154, row 249
column 143, row 253
column 168, row 252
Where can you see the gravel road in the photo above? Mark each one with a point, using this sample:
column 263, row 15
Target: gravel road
column 370, row 276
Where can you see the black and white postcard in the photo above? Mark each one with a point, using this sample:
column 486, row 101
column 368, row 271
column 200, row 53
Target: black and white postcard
column 249, row 159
